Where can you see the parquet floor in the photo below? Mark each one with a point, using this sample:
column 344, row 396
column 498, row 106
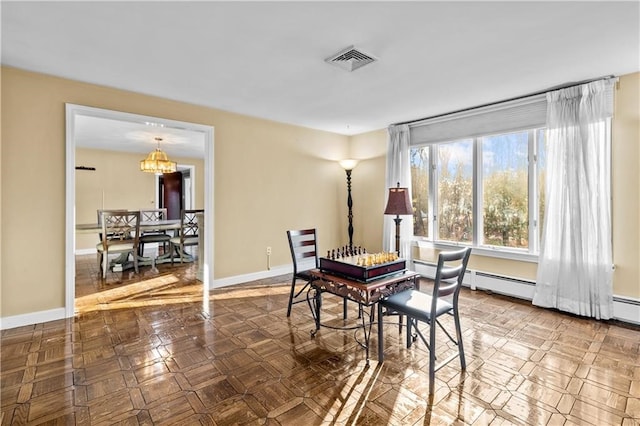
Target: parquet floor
column 144, row 350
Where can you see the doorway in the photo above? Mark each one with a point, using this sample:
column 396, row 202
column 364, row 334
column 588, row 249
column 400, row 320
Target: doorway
column 176, row 191
column 74, row 113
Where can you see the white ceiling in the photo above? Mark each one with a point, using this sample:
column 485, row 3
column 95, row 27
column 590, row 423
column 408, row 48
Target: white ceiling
column 266, row 59
column 128, row 136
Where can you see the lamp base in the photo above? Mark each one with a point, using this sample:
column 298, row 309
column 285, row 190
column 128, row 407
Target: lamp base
column 397, row 220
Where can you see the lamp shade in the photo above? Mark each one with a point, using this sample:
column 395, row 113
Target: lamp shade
column 348, row 164
column 399, row 202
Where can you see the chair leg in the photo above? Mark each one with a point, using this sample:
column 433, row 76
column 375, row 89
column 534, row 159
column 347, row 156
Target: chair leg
column 105, row 264
column 135, row 261
column 456, row 320
column 409, row 336
column 293, row 289
column 380, row 335
column 432, row 356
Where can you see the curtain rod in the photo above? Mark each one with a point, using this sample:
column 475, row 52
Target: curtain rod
column 562, row 86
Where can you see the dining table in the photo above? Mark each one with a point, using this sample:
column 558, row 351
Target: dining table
column 120, row 264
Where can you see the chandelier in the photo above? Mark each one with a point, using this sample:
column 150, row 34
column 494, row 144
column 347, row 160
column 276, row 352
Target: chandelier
column 157, row 162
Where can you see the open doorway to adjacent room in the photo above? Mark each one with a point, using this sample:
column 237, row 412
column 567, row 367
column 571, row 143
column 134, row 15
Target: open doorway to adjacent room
column 110, row 142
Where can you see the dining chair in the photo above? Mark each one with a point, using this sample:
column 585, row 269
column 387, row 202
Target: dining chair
column 153, row 236
column 188, row 234
column 422, row 307
column 303, row 244
column 99, row 216
column 120, row 235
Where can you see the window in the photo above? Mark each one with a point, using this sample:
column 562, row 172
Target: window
column 487, row 191
column 454, row 178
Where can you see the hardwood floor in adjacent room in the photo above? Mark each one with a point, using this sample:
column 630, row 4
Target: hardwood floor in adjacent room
column 145, row 350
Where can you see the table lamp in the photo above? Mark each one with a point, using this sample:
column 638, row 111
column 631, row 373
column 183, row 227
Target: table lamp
column 398, row 204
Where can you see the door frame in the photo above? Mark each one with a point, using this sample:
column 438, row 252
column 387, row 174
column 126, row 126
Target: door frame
column 74, row 110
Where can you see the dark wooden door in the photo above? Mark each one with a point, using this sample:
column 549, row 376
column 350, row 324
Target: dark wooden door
column 172, row 197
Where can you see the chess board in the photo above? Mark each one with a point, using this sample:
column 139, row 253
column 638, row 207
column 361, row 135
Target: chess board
column 349, row 267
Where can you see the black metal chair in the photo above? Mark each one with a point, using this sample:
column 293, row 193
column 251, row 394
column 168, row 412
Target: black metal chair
column 422, row 307
column 303, row 245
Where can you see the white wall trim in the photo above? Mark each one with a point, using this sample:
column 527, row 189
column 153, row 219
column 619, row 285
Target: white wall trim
column 71, row 112
column 80, row 252
column 60, row 313
column 241, row 279
column 32, row 318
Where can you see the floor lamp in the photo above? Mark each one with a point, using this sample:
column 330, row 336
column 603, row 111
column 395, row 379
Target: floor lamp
column 398, row 204
column 348, row 166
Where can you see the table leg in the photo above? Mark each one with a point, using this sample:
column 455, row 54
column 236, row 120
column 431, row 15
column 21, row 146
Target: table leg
column 344, row 308
column 380, row 335
column 367, row 329
column 317, row 305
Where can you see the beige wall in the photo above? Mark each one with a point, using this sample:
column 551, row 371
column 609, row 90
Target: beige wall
column 268, row 177
column 117, row 183
column 626, row 187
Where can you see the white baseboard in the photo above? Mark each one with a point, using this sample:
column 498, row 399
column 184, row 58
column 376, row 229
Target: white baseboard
column 625, row 309
column 240, row 279
column 32, row 318
column 86, row 251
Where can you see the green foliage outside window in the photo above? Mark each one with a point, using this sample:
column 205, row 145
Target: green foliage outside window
column 504, row 217
column 506, row 221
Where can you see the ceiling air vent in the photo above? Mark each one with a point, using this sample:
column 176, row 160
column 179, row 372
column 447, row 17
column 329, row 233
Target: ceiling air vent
column 350, row 59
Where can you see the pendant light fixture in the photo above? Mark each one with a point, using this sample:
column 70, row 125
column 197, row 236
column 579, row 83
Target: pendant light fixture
column 157, row 162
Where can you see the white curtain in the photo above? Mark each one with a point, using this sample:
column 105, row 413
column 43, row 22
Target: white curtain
column 398, row 170
column 575, row 263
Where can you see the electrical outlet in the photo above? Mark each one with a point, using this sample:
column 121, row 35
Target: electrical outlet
column 268, row 251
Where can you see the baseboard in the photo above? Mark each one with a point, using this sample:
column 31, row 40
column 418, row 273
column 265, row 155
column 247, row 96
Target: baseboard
column 625, row 309
column 32, row 318
column 85, row 251
column 241, row 279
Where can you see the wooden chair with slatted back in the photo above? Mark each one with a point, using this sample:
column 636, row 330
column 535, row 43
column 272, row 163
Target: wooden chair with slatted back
column 160, row 237
column 120, row 235
column 188, row 235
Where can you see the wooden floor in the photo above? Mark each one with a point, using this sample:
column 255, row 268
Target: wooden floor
column 145, row 350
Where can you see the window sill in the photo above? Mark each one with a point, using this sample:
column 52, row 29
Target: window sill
column 479, row 251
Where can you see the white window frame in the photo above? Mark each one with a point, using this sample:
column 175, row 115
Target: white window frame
column 528, row 112
column 531, row 253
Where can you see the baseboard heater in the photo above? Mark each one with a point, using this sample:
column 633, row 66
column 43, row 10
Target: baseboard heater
column 501, row 284
column 625, row 309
